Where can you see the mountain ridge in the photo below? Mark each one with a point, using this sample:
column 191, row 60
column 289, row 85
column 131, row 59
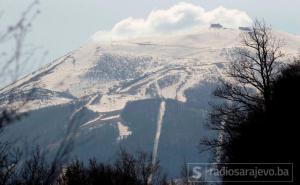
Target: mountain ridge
column 115, row 90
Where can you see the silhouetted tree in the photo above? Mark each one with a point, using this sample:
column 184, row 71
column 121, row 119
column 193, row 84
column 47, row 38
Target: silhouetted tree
column 257, row 121
column 252, row 70
column 14, row 56
column 270, row 137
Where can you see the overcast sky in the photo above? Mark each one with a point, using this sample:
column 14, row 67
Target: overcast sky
column 64, row 25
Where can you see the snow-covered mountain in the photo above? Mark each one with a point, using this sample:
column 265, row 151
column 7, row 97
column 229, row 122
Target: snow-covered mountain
column 143, row 94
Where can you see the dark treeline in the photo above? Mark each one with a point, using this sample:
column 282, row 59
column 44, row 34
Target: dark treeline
column 258, row 119
column 270, row 136
column 127, row 169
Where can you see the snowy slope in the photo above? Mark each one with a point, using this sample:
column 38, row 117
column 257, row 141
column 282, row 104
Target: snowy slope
column 115, row 88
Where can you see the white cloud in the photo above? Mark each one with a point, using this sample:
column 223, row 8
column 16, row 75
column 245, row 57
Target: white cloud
column 178, row 18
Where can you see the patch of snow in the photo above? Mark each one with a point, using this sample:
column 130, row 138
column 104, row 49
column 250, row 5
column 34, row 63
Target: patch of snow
column 124, row 131
column 91, row 121
column 111, row 117
column 160, row 117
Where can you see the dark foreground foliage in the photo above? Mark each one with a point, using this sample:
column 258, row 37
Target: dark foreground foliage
column 271, row 136
column 257, row 121
column 127, row 170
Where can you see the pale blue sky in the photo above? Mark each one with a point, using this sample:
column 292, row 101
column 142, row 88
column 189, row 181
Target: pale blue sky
column 64, row 25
